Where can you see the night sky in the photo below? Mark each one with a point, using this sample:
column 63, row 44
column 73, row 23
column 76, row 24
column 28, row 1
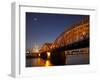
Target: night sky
column 46, row 27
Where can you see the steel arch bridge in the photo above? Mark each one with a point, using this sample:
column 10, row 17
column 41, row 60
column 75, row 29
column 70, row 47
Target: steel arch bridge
column 75, row 36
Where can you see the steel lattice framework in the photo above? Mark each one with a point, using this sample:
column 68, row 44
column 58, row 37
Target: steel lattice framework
column 75, row 33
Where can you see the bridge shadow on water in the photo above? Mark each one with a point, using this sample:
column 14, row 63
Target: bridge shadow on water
column 58, row 56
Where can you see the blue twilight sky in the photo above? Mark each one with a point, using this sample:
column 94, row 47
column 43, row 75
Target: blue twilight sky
column 46, row 27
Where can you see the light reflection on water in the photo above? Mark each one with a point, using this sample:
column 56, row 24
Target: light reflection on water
column 31, row 62
column 48, row 63
column 72, row 59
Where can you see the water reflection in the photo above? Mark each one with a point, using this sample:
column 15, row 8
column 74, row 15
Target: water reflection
column 31, row 62
column 71, row 59
column 48, row 63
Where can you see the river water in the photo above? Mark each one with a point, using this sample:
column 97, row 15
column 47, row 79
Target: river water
column 70, row 60
column 32, row 62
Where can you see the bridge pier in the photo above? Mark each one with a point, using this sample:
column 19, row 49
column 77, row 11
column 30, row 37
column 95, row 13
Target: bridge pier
column 58, row 57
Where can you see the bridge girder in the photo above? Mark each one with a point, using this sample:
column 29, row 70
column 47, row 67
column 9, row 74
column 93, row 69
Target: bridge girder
column 75, row 33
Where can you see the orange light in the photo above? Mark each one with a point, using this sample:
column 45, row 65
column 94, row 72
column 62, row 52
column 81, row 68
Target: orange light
column 39, row 55
column 47, row 63
column 48, row 54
